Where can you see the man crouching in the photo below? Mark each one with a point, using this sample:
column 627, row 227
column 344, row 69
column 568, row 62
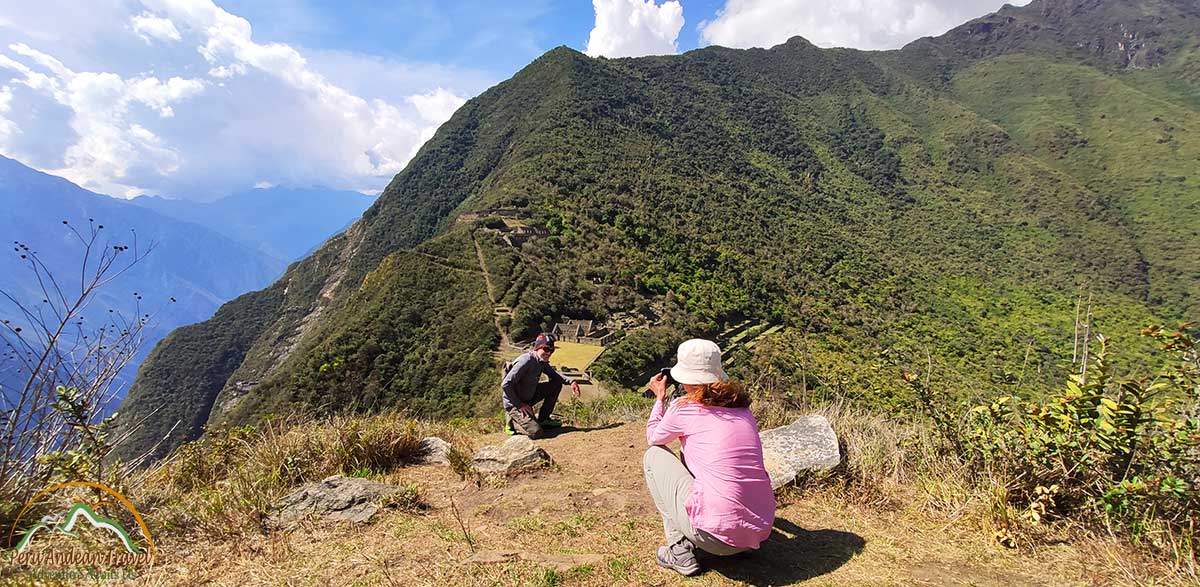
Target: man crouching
column 522, row 390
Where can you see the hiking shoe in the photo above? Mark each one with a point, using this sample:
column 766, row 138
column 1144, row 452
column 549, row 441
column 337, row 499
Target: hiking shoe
column 550, row 423
column 679, row 556
column 508, row 427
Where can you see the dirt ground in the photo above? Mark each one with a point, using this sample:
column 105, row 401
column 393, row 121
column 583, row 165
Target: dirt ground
column 589, row 521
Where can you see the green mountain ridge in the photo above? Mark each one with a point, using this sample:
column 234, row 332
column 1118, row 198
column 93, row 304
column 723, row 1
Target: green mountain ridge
column 954, row 203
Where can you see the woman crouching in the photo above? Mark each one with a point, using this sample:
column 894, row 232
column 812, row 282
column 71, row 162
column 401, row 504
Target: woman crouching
column 720, row 501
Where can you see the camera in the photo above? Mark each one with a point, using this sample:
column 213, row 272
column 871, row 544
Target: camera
column 666, row 373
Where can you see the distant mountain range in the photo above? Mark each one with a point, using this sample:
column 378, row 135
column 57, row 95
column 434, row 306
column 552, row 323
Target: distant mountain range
column 946, row 206
column 281, row 222
column 199, row 267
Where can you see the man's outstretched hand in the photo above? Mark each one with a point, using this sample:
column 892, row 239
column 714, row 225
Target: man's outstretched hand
column 575, row 389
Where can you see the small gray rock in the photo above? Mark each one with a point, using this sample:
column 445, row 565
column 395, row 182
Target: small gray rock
column 808, row 444
column 434, row 450
column 516, row 454
column 337, row 498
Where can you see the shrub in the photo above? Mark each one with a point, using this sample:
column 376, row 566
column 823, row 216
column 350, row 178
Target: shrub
column 1121, row 454
column 621, row 406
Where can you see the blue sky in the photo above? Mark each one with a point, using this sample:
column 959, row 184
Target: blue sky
column 198, row 99
column 466, row 34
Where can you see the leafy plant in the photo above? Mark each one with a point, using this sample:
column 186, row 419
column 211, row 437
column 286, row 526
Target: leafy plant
column 1117, row 452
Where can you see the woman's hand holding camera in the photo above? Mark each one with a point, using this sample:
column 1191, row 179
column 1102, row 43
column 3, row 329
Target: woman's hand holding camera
column 658, row 385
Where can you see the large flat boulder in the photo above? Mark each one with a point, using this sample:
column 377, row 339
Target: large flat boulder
column 513, row 456
column 335, row 499
column 808, row 444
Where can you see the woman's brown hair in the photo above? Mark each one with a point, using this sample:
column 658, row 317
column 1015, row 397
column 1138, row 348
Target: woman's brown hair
column 722, row 394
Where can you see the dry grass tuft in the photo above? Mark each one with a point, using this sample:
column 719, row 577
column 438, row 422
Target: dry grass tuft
column 227, row 481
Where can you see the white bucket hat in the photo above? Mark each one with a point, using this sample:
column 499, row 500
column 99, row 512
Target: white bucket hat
column 698, row 362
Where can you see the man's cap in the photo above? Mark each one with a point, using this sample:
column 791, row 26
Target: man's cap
column 542, row 340
column 699, row 362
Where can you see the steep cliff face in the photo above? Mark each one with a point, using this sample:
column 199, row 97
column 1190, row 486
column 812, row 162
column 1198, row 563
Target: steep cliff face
column 865, row 200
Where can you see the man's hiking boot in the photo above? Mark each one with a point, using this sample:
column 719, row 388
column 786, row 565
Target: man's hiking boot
column 550, row 423
column 679, row 556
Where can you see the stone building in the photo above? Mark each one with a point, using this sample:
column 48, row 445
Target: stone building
column 582, row 331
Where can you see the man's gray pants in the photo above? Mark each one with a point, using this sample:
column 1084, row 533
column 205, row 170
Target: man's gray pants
column 670, row 483
column 546, row 392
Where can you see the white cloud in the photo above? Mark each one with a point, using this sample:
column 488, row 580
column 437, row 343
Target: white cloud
column 862, row 24
column 31, row 78
column 377, row 137
column 219, row 110
column 437, row 105
column 159, row 95
column 8, row 128
column 392, row 79
column 632, row 28
column 222, row 72
column 55, row 66
column 151, row 28
column 108, row 144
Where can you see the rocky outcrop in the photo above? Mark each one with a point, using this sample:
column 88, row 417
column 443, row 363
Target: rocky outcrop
column 335, row 499
column 808, row 444
column 515, row 455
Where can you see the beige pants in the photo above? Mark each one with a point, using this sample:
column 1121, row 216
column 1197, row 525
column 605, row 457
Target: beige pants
column 670, row 483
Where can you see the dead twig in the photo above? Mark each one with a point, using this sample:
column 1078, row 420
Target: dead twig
column 462, row 525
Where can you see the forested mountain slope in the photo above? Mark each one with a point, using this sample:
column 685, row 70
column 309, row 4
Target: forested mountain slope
column 1107, row 91
column 918, row 204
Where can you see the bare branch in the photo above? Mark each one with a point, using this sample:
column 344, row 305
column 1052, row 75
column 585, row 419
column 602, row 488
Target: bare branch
column 69, row 364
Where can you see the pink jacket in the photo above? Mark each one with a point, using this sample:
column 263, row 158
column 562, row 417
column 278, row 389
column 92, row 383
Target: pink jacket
column 731, row 497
